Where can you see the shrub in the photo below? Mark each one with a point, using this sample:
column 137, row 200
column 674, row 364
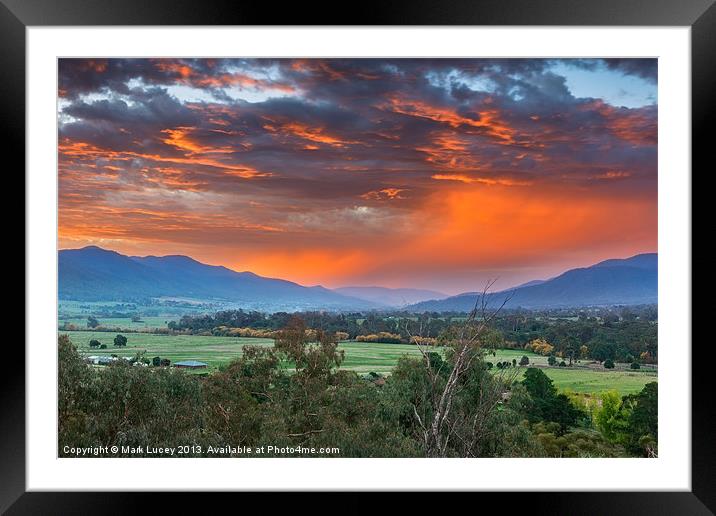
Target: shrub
column 635, row 365
column 423, row 341
column 524, row 360
column 540, row 346
column 562, row 364
column 94, row 343
column 608, row 364
column 245, row 332
column 551, row 360
column 382, row 336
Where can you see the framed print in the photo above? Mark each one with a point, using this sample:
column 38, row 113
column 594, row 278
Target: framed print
column 430, row 249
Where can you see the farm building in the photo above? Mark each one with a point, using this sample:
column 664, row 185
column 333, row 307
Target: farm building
column 100, row 360
column 190, row 364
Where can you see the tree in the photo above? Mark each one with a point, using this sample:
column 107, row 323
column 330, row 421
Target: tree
column 608, row 364
column 120, row 340
column 156, row 361
column 571, row 347
column 92, row 322
column 136, row 318
column 635, row 365
column 547, row 404
column 94, row 343
column 438, row 413
column 563, row 364
column 611, row 419
column 551, row 360
column 643, row 424
column 524, row 360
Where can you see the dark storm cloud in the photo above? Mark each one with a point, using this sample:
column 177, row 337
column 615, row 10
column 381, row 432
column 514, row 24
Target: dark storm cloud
column 644, row 68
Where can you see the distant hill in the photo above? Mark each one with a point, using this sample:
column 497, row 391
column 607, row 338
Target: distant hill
column 96, row 274
column 629, row 281
column 530, row 283
column 393, row 297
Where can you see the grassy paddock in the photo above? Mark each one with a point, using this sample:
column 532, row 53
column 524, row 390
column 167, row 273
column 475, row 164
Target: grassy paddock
column 362, row 357
column 121, row 322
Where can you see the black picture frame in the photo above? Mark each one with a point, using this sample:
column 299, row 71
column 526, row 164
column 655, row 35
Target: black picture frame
column 700, row 15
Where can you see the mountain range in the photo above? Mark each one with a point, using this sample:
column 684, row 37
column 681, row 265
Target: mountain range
column 96, row 274
column 629, row 281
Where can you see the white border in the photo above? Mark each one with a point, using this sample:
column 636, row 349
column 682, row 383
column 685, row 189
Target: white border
column 670, row 471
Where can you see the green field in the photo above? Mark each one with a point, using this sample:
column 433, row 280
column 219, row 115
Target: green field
column 212, row 350
column 362, row 357
column 121, row 322
column 586, row 381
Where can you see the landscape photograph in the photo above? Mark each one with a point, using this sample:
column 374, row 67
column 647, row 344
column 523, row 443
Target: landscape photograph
column 357, row 258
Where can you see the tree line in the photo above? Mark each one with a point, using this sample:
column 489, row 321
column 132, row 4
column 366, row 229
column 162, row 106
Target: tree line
column 625, row 335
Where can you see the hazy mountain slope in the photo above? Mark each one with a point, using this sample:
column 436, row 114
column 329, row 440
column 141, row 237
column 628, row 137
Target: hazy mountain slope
column 394, row 297
column 612, row 282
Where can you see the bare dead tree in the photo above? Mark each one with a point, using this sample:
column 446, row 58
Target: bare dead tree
column 438, row 424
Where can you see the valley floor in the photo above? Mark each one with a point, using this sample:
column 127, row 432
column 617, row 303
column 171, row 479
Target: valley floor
column 362, row 357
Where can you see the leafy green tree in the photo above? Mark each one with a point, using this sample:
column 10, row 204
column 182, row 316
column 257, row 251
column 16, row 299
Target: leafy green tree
column 94, row 343
column 612, row 419
column 643, row 420
column 571, row 348
column 579, row 442
column 547, row 404
column 120, row 340
column 608, row 364
column 92, row 322
column 524, row 360
column 551, row 360
column 635, row 365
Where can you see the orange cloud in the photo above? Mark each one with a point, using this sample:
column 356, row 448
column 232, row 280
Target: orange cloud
column 313, row 134
column 384, row 194
column 484, row 180
column 180, row 138
column 187, row 75
column 635, row 126
column 488, row 120
column 82, row 150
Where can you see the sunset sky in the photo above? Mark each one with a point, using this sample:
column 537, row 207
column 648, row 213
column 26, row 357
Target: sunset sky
column 426, row 173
